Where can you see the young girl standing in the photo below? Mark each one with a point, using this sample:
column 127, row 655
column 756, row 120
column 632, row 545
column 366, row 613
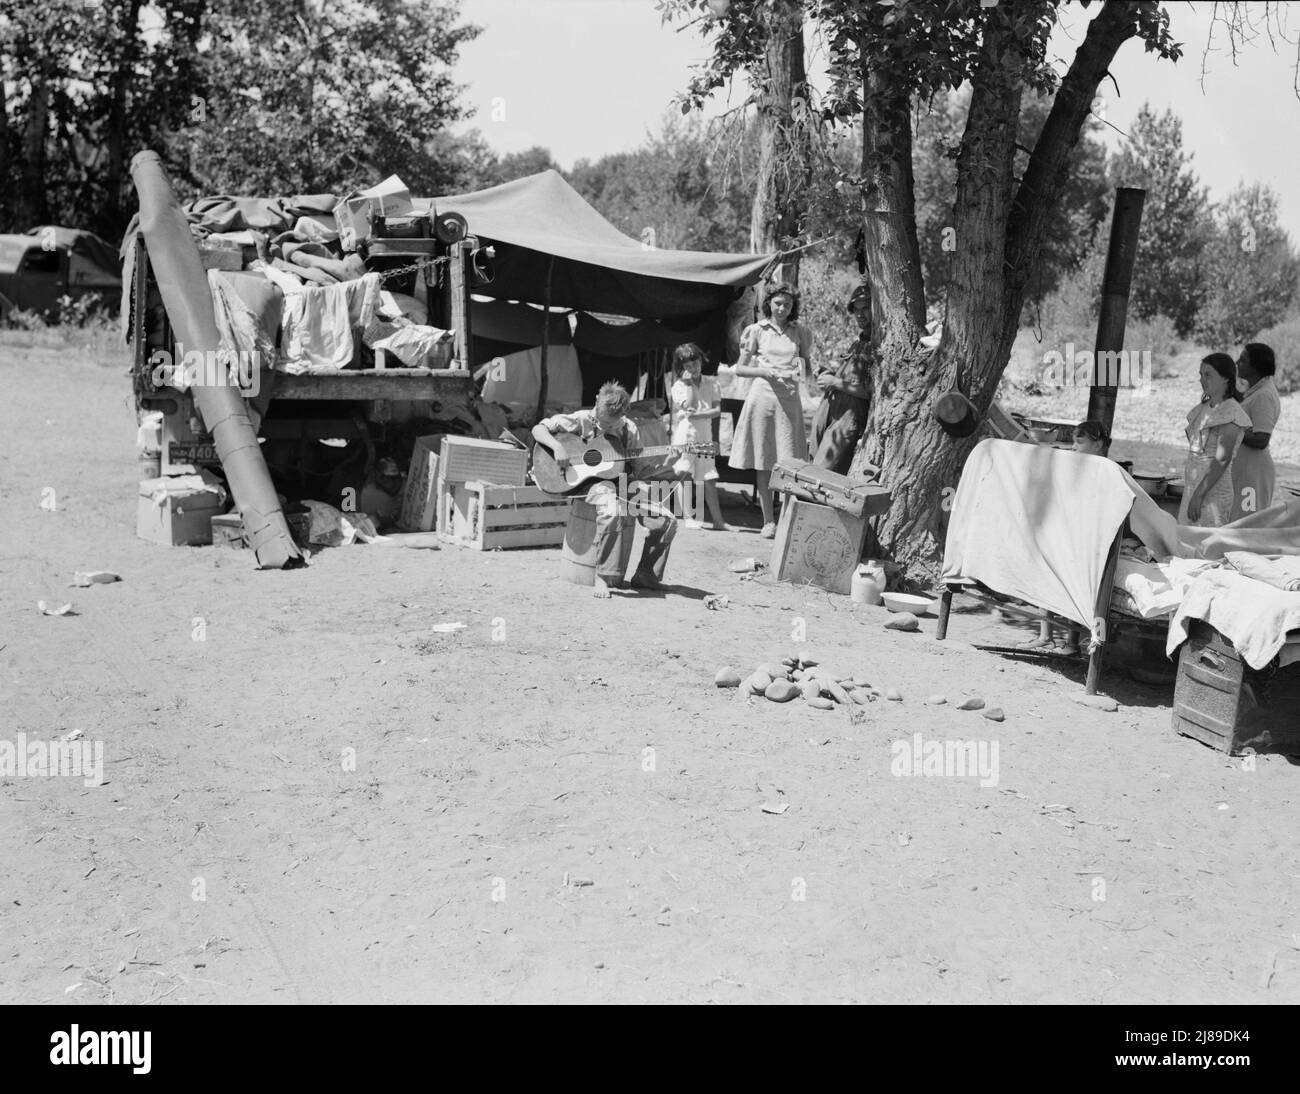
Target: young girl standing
column 695, row 403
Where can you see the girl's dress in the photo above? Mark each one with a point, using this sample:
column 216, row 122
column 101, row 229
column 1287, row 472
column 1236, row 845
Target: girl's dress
column 1252, row 468
column 770, row 427
column 687, row 401
column 1203, row 426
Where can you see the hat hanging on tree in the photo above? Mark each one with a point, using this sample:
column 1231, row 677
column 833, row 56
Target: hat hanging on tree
column 860, row 294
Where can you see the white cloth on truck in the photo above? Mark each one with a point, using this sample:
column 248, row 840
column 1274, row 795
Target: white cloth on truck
column 316, row 331
column 1253, row 616
column 1037, row 524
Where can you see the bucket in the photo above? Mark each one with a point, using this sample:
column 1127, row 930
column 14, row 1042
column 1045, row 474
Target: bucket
column 956, row 414
column 868, row 583
column 150, row 465
column 578, row 557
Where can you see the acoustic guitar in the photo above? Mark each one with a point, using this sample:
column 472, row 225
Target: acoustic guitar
column 594, row 459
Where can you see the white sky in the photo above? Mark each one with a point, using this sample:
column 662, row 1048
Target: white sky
column 585, row 78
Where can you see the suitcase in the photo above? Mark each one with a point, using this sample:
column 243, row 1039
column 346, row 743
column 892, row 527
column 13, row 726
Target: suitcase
column 858, row 497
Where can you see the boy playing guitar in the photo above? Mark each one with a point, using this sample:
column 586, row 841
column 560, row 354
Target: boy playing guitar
column 609, row 418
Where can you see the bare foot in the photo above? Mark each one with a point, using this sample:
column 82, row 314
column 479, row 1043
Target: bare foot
column 604, row 587
column 1038, row 644
column 643, row 579
column 723, row 527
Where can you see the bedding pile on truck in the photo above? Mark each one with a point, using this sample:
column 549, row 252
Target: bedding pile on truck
column 289, row 354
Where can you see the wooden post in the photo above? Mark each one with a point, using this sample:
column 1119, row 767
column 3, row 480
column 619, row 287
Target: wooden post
column 1102, row 613
column 546, row 340
column 458, row 283
column 1120, row 259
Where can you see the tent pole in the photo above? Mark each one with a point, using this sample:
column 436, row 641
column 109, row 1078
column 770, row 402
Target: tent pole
column 546, row 340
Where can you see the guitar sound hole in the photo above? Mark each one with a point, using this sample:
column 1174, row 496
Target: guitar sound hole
column 592, row 458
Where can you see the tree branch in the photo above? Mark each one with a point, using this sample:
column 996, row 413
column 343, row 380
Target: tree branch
column 1045, row 175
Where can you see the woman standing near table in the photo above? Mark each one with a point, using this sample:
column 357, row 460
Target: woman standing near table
column 1215, row 427
column 770, row 428
column 1253, row 474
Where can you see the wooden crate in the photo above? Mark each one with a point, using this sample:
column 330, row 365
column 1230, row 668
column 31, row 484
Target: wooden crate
column 487, row 517
column 1208, row 700
column 469, row 459
column 818, row 544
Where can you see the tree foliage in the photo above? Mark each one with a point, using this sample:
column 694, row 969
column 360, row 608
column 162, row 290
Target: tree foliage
column 1176, row 225
column 1250, row 269
column 322, row 96
column 238, row 96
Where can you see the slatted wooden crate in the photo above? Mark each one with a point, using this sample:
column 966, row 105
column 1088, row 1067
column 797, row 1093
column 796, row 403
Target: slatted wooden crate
column 487, row 517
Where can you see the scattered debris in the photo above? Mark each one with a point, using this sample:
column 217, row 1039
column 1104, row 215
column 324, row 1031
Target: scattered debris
column 713, row 603
column 994, row 714
column 1097, row 702
column 776, row 809
column 893, row 695
column 84, row 578
column 47, row 610
column 973, row 703
column 936, row 700
column 904, row 621
column 448, row 628
column 744, row 565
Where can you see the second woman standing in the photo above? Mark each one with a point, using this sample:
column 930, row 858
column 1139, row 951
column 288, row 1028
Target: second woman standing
column 770, row 428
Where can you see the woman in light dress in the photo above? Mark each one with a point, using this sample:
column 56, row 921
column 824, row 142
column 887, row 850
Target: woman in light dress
column 1215, row 427
column 770, row 428
column 1253, row 474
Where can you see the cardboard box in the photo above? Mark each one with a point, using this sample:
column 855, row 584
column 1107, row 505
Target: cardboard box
column 817, row 544
column 420, row 498
column 177, row 511
column 468, row 459
column 228, row 531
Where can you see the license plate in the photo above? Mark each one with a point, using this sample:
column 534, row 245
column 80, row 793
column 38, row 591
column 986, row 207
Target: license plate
column 188, row 452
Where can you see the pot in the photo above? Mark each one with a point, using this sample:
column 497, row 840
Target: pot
column 956, row 414
column 1152, row 484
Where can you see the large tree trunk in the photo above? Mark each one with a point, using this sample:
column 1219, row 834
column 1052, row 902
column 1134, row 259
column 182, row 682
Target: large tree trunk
column 32, row 208
column 999, row 230
column 783, row 142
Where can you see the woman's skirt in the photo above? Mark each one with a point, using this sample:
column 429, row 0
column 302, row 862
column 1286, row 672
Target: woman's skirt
column 769, row 430
column 1216, row 509
column 1253, row 481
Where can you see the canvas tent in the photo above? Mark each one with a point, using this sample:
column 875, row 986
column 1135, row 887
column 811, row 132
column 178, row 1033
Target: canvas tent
column 541, row 230
column 596, row 267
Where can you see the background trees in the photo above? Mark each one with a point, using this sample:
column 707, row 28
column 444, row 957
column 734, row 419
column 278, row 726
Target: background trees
column 243, row 96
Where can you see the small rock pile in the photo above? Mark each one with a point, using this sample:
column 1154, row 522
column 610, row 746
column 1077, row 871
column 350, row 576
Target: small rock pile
column 801, row 677
column 822, row 688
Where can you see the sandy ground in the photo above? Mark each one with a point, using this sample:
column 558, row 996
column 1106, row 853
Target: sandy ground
column 230, row 856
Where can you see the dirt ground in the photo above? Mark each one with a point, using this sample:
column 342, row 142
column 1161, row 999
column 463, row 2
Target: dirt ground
column 1113, row 861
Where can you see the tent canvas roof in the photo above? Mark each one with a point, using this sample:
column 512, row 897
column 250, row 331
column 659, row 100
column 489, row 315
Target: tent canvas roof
column 596, row 267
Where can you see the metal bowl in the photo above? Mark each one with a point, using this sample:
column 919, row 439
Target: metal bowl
column 1154, row 485
column 906, row 602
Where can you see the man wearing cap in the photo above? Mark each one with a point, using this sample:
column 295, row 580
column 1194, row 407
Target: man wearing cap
column 842, row 416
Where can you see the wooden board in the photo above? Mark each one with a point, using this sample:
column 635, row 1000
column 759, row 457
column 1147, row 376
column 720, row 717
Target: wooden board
column 387, row 383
